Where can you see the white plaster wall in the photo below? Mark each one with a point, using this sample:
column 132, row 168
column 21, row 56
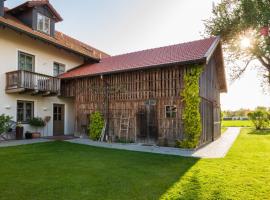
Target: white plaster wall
column 45, row 55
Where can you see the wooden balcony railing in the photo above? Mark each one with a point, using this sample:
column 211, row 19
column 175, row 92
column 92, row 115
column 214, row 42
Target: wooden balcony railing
column 25, row 81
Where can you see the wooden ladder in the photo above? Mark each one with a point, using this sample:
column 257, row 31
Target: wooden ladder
column 124, row 126
column 103, row 132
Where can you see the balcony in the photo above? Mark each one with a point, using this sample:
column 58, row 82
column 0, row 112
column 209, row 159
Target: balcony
column 21, row 81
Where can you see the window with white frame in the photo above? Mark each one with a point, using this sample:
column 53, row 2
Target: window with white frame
column 43, row 23
column 170, row 111
column 25, row 111
column 26, row 61
column 58, row 69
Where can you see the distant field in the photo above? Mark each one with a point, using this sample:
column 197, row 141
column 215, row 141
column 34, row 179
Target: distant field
column 237, row 123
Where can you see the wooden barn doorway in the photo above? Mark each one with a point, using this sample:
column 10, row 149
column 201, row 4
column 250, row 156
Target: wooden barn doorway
column 58, row 119
column 217, row 122
column 207, row 117
column 147, row 123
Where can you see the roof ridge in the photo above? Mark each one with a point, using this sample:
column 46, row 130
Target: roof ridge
column 156, row 48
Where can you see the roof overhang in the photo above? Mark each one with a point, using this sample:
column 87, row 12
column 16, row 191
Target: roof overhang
column 216, row 50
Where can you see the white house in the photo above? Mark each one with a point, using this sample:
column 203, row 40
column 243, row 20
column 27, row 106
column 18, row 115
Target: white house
column 32, row 55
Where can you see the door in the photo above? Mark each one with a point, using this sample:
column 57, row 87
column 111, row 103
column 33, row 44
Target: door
column 217, row 124
column 58, row 119
column 147, row 122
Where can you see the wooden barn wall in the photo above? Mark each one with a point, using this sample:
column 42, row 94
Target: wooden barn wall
column 128, row 94
column 210, row 103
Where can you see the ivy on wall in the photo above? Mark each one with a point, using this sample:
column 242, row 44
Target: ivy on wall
column 191, row 112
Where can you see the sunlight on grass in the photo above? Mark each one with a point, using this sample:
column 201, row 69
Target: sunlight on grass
column 237, row 123
column 242, row 174
column 60, row 170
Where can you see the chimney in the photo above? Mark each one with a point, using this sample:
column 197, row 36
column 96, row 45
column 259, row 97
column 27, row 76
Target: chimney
column 2, row 8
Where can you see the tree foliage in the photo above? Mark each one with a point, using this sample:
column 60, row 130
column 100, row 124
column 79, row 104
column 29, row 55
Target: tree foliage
column 191, row 113
column 4, row 123
column 260, row 118
column 234, row 20
column 96, row 125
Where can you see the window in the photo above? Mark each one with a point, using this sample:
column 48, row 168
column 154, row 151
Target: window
column 170, row 111
column 26, row 61
column 58, row 69
column 43, row 23
column 25, row 111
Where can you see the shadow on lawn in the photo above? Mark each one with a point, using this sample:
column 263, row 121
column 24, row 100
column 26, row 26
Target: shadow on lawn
column 260, row 132
column 111, row 174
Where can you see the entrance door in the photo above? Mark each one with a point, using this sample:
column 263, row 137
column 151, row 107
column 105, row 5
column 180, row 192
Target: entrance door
column 58, row 119
column 147, row 123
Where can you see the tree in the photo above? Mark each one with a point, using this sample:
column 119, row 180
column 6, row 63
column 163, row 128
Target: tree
column 260, row 118
column 244, row 29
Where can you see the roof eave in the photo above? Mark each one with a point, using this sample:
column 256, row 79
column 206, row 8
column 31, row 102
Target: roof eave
column 212, row 49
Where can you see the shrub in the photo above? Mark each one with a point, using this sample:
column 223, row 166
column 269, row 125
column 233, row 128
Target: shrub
column 260, row 118
column 37, row 122
column 4, row 123
column 191, row 113
column 96, row 125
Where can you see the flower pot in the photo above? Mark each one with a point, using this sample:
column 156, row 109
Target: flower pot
column 36, row 135
column 28, row 135
column 19, row 133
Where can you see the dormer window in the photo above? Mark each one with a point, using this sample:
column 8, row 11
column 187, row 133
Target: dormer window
column 43, row 23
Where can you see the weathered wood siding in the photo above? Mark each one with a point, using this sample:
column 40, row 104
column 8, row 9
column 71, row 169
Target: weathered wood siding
column 129, row 95
column 210, row 103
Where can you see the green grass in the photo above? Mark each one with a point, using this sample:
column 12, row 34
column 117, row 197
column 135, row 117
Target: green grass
column 237, row 123
column 60, row 170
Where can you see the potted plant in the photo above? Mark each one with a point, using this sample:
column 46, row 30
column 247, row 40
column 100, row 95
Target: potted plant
column 28, row 135
column 19, row 131
column 36, row 122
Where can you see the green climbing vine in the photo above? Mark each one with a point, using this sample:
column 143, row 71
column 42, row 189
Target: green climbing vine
column 191, row 113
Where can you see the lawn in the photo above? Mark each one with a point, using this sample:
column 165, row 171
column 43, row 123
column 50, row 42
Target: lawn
column 60, row 170
column 237, row 123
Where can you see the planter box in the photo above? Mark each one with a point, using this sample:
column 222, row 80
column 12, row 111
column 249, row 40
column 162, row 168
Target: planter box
column 36, row 135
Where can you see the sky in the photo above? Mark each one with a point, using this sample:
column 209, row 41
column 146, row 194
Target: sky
column 122, row 26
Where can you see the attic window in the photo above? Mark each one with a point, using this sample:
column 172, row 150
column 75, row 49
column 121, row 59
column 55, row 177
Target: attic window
column 43, row 23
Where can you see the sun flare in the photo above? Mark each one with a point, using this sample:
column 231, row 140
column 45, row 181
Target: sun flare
column 245, row 43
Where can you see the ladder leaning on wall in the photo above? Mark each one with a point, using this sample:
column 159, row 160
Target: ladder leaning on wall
column 103, row 132
column 124, row 126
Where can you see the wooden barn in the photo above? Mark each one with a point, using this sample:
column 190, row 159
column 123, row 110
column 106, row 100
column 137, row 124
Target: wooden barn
column 139, row 93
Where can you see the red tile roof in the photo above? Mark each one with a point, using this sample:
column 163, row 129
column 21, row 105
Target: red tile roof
column 195, row 51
